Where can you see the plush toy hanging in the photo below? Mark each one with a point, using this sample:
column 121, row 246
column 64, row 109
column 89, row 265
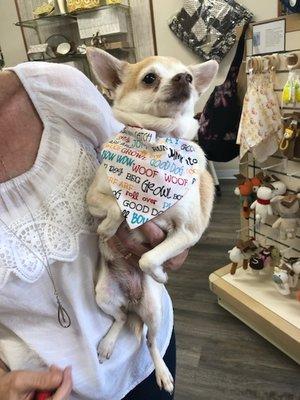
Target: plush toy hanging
column 290, row 142
column 246, row 189
column 208, row 27
column 262, row 205
column 289, row 221
column 279, row 186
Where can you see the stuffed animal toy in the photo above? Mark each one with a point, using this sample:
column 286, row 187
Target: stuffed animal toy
column 279, row 186
column 257, row 181
column 246, row 189
column 242, row 252
column 262, row 204
column 288, row 208
column 286, row 276
column 281, row 278
column 262, row 260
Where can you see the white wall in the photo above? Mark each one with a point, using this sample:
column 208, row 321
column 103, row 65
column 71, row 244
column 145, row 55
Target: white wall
column 11, row 40
column 169, row 45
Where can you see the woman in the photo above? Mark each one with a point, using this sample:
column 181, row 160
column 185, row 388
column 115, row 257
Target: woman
column 52, row 119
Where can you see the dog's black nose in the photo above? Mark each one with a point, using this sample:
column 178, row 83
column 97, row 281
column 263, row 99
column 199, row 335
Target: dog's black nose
column 183, row 78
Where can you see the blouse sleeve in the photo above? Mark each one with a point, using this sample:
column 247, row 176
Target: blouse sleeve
column 62, row 92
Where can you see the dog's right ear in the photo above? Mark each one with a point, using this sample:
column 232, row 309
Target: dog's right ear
column 106, row 68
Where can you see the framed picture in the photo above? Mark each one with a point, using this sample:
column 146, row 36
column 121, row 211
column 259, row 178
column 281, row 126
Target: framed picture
column 269, row 37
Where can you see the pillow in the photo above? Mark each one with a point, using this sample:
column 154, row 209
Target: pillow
column 208, row 27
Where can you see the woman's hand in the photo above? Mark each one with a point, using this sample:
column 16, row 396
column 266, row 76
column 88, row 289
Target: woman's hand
column 22, row 385
column 154, row 236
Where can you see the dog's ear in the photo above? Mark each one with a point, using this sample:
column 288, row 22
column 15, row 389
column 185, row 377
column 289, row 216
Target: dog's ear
column 204, row 74
column 106, row 68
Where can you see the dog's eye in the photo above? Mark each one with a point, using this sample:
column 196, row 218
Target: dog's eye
column 189, row 78
column 149, row 79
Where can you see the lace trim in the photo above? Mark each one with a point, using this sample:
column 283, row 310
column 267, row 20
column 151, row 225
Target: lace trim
column 61, row 216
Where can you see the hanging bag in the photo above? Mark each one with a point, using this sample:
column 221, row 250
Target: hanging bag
column 208, row 27
column 219, row 121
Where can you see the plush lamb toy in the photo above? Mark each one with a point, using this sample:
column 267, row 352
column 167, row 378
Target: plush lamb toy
column 262, row 205
column 242, row 252
column 279, row 186
column 289, row 221
column 287, row 275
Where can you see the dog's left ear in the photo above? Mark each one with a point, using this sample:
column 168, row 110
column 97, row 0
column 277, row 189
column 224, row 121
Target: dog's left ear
column 204, row 74
column 106, row 68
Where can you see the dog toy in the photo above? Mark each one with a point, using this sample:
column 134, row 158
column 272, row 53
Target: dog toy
column 242, row 252
column 288, row 208
column 246, row 189
column 290, row 142
column 262, row 204
column 286, row 276
column 262, row 260
column 279, row 186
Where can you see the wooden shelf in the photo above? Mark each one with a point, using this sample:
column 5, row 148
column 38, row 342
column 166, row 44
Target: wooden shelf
column 66, row 18
column 256, row 302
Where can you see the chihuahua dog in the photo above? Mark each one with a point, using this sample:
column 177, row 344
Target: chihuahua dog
column 157, row 94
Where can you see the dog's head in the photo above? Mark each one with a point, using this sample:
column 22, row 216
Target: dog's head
column 157, row 86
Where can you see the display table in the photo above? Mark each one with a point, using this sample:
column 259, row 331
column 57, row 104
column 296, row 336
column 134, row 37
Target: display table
column 255, row 301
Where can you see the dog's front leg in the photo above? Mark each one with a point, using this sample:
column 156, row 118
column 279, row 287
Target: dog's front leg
column 101, row 203
column 175, row 243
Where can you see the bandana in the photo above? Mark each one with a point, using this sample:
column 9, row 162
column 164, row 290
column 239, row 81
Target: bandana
column 148, row 175
column 262, row 201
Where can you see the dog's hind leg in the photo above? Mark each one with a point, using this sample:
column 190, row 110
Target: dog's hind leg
column 150, row 312
column 111, row 300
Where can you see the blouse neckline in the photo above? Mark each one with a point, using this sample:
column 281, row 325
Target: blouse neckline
column 42, row 148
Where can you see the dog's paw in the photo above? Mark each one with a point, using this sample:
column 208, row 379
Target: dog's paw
column 105, row 349
column 150, row 268
column 106, row 230
column 164, row 379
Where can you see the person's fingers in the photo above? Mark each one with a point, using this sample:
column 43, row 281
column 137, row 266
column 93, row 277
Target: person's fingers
column 153, row 233
column 176, row 262
column 41, row 380
column 126, row 242
column 65, row 389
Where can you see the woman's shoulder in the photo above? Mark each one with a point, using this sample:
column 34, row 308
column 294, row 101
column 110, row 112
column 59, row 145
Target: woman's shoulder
column 62, row 93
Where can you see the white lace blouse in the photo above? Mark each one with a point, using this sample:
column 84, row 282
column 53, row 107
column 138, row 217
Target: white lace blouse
column 76, row 120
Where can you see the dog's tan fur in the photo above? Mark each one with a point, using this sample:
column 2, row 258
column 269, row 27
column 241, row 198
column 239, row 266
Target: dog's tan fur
column 156, row 107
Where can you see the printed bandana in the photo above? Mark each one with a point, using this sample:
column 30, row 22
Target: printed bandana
column 148, row 175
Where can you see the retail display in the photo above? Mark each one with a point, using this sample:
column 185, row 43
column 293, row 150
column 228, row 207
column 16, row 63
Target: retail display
column 266, row 295
column 208, row 27
column 63, row 35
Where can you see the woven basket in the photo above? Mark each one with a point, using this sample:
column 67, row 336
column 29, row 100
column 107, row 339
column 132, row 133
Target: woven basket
column 77, row 5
